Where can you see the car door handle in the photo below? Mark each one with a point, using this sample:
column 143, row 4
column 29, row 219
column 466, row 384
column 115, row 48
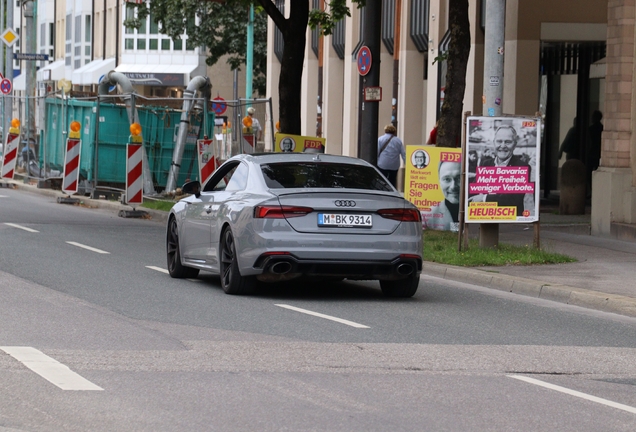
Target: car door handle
column 208, row 209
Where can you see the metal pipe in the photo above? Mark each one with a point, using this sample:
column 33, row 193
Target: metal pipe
column 118, row 78
column 198, row 83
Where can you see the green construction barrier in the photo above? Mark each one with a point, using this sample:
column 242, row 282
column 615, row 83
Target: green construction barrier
column 104, row 159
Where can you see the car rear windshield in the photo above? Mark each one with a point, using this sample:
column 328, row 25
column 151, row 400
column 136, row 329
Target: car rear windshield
column 286, row 175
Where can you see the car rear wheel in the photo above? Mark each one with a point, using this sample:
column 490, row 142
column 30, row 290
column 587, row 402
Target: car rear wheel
column 231, row 279
column 402, row 288
column 175, row 268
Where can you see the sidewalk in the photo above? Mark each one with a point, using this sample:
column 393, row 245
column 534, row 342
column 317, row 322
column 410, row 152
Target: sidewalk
column 604, row 278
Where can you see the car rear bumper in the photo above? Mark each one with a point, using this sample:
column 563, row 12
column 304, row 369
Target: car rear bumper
column 273, row 268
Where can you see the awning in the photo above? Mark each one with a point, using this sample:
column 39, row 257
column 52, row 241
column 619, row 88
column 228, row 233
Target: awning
column 91, row 72
column 19, row 82
column 52, row 72
column 161, row 75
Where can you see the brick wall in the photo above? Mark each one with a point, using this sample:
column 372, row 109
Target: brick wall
column 617, row 117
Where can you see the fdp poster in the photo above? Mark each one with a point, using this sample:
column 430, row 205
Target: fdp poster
column 502, row 180
column 432, row 183
column 286, row 143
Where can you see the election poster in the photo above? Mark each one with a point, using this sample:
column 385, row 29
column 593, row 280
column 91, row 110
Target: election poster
column 502, row 178
column 286, row 143
column 432, row 184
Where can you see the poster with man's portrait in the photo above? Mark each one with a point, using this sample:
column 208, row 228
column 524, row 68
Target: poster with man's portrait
column 502, row 178
column 432, row 184
column 285, row 143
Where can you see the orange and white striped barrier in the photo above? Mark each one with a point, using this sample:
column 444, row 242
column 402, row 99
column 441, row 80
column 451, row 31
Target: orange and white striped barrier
column 134, row 167
column 11, row 150
column 70, row 178
column 207, row 160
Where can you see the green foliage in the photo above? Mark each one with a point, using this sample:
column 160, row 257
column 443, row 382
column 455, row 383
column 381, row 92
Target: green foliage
column 336, row 11
column 163, row 205
column 441, row 247
column 220, row 27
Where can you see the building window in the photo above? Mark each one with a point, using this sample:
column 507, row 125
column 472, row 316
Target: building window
column 141, row 44
column 388, row 24
column 143, row 27
column 419, row 24
column 130, row 15
column 154, row 26
column 165, row 44
column 177, row 44
column 87, row 50
column 189, row 45
column 78, row 28
column 52, row 34
column 69, row 29
column 129, row 44
column 153, row 45
column 88, row 29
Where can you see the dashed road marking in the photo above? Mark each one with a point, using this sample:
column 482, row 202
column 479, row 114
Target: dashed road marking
column 575, row 393
column 319, row 315
column 21, row 227
column 49, row 368
column 83, row 246
column 159, row 269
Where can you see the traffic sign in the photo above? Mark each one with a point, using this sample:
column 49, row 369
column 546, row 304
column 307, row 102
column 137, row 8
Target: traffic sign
column 364, row 60
column 5, row 86
column 9, row 37
column 219, row 107
column 27, row 56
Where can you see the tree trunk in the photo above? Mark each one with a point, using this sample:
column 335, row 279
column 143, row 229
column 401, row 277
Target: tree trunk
column 291, row 68
column 449, row 129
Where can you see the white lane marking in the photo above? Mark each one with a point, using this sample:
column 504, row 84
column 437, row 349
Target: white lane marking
column 319, row 315
column 575, row 393
column 87, row 247
column 4, row 196
column 159, row 269
column 162, row 270
column 50, row 369
column 21, row 227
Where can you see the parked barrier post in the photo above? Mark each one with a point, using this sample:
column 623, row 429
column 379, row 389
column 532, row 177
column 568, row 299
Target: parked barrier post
column 70, row 178
column 134, row 173
column 11, row 150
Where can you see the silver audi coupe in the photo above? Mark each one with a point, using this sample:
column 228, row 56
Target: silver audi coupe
column 279, row 216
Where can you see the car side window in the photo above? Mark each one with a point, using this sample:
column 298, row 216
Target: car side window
column 221, row 178
column 238, row 178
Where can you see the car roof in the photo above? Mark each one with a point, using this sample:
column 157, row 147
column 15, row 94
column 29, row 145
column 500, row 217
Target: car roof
column 263, row 158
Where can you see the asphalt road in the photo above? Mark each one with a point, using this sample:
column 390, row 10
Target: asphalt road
column 94, row 335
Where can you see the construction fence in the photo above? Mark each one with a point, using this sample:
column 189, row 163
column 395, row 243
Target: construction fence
column 105, row 131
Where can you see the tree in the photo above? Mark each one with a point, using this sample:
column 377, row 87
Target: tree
column 450, row 120
column 216, row 16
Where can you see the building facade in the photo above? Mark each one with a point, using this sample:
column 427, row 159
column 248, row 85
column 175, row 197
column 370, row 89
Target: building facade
column 564, row 59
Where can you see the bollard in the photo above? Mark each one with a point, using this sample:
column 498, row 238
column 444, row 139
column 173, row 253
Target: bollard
column 572, row 187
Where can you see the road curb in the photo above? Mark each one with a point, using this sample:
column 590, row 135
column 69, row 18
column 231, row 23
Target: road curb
column 156, row 215
column 589, row 299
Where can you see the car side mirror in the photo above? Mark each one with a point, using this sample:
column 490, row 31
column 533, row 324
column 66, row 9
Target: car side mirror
column 192, row 188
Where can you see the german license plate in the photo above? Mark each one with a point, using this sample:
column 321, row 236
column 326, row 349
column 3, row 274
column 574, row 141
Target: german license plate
column 344, row 220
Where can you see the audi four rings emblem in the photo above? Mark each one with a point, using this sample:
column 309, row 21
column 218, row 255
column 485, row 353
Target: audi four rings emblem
column 345, row 203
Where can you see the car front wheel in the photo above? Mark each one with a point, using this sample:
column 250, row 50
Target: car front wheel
column 175, row 268
column 231, row 279
column 402, row 288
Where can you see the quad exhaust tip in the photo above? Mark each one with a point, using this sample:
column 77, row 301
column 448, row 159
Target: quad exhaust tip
column 405, row 269
column 281, row 267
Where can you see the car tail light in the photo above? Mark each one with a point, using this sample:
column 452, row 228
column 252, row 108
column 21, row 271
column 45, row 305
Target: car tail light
column 280, row 212
column 401, row 214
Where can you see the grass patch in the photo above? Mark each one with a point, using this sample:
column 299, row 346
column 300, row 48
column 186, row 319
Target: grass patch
column 441, row 247
column 164, row 205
